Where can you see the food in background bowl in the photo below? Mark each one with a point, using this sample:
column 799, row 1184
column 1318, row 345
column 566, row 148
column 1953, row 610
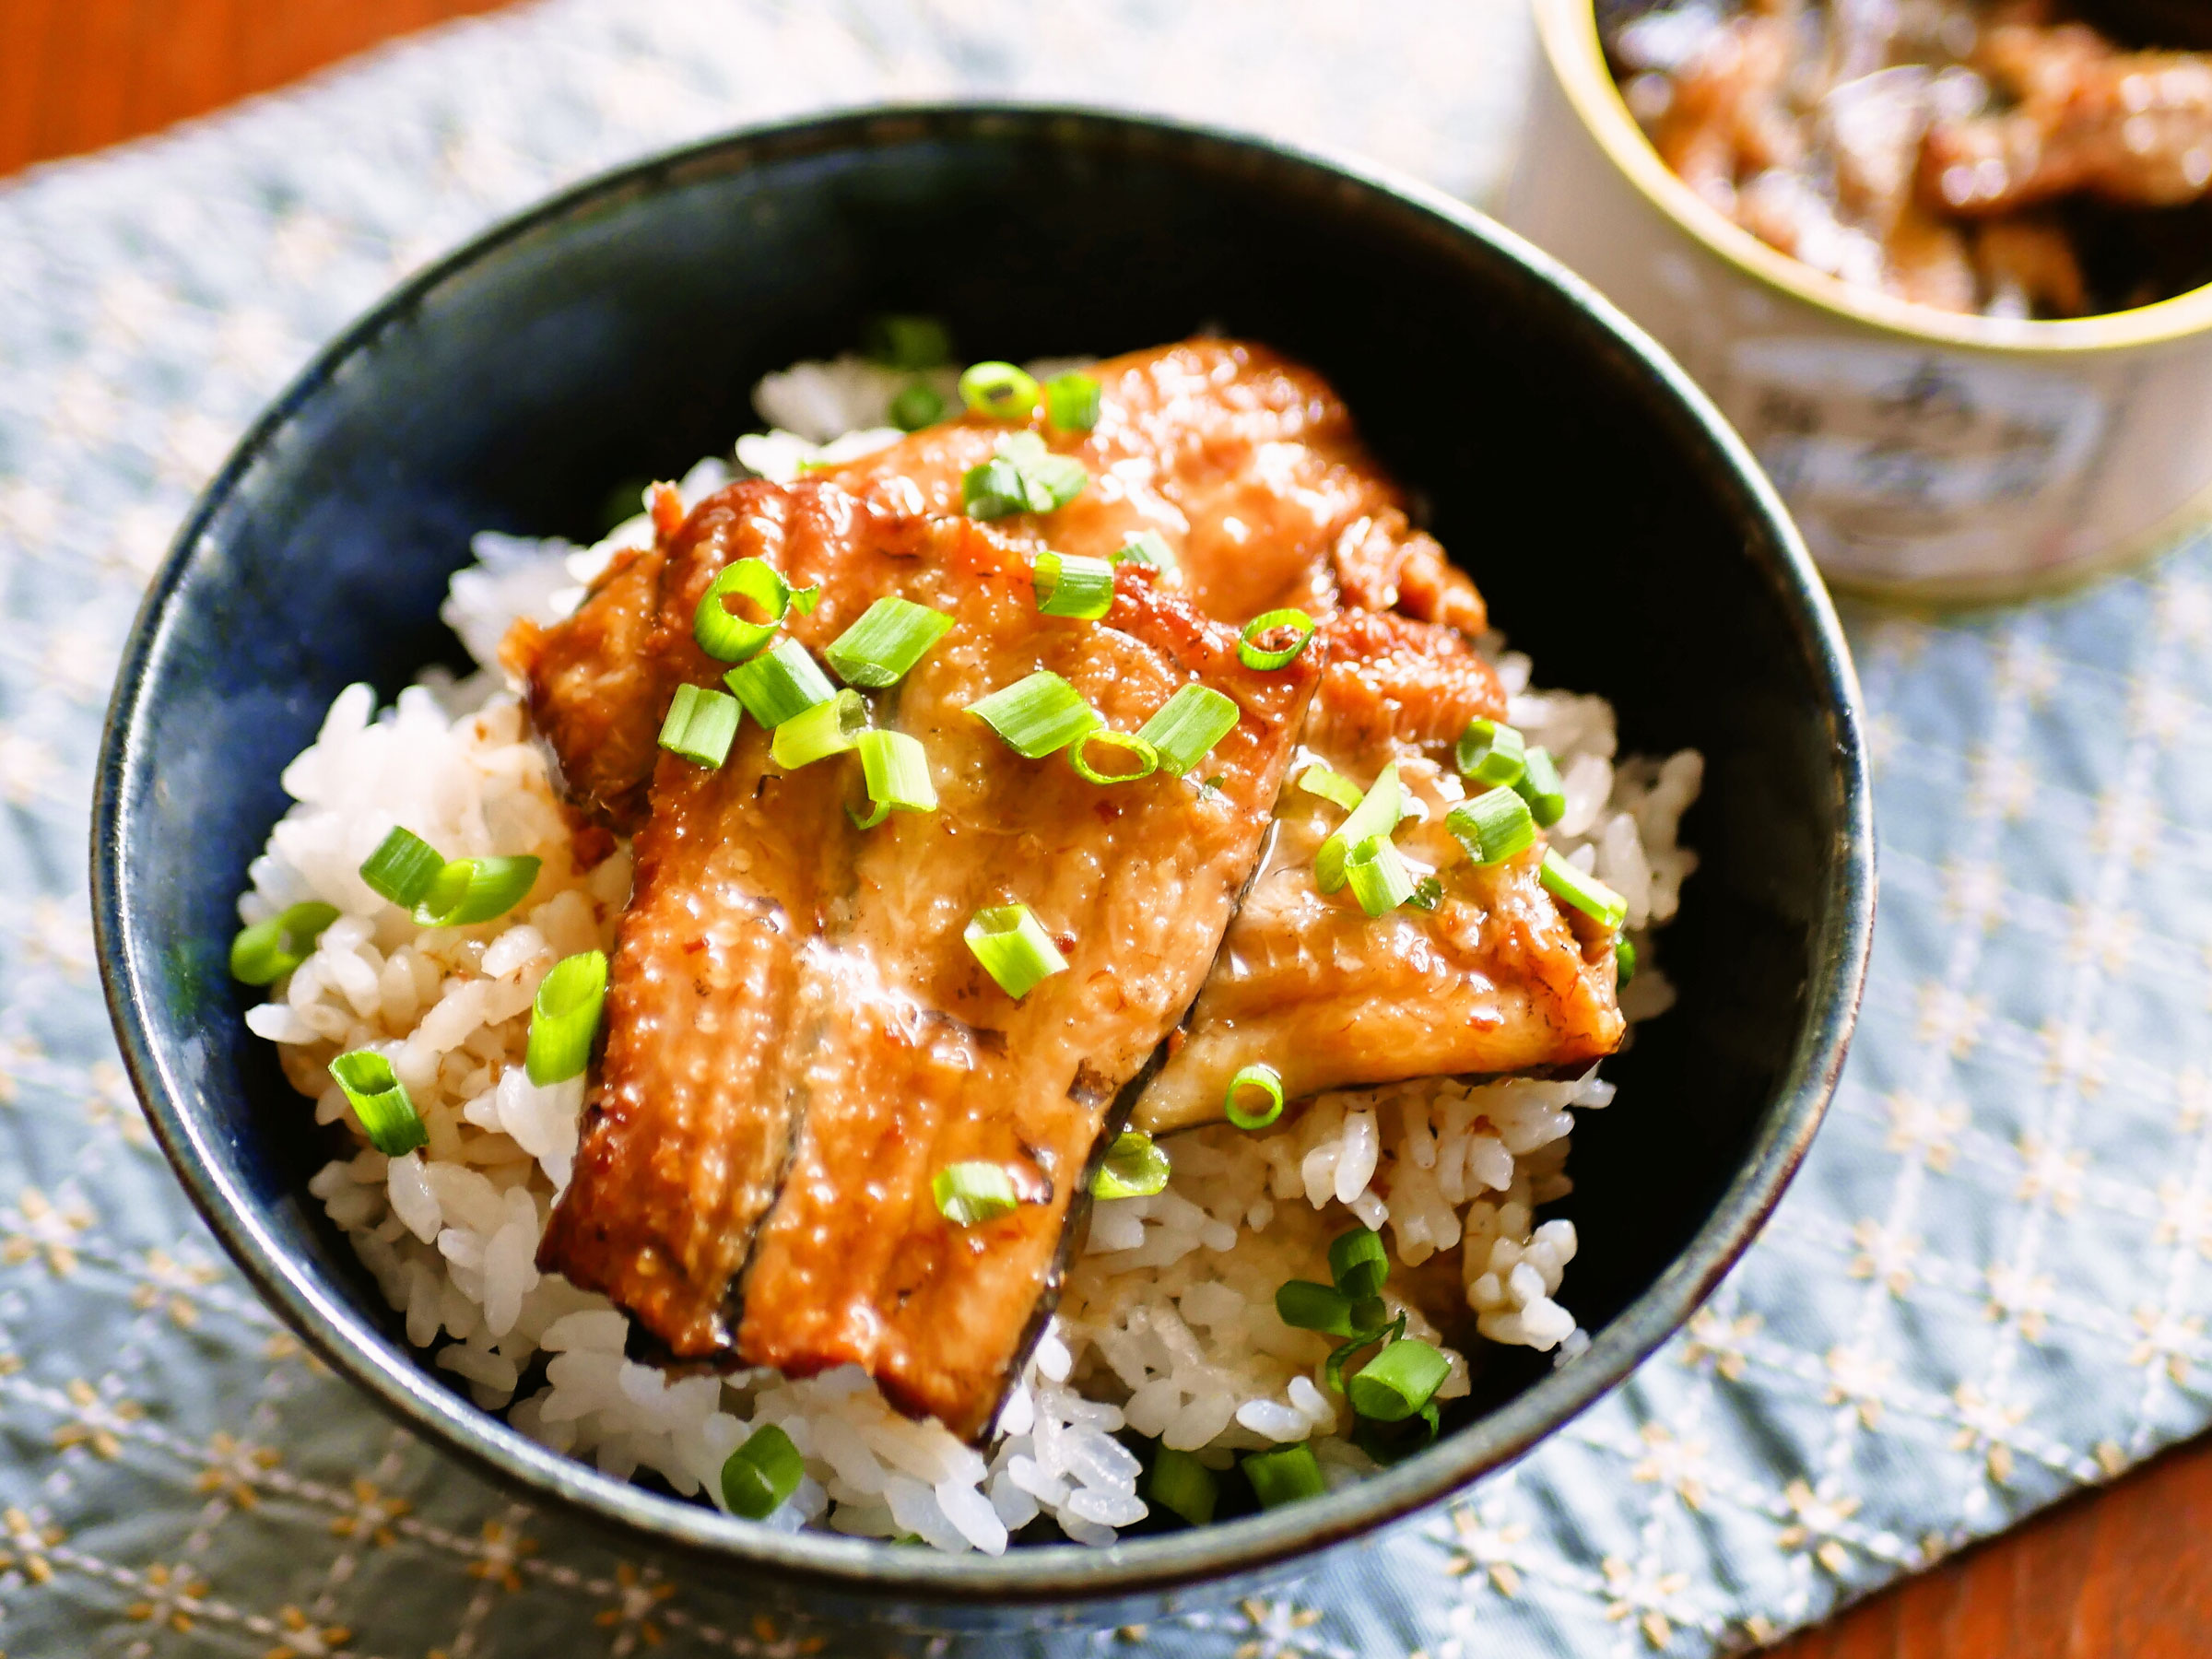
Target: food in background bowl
column 812, row 1040
column 2000, row 156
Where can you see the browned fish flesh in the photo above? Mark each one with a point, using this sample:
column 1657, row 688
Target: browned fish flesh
column 1500, row 977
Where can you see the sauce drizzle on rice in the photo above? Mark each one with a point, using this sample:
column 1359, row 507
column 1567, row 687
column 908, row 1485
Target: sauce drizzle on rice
column 1166, row 1326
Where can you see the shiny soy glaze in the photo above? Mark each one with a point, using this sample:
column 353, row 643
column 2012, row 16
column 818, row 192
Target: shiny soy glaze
column 798, row 1038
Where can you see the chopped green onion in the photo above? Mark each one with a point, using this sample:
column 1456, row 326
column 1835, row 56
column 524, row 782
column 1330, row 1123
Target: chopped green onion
column 1185, row 728
column 917, row 406
column 1038, row 715
column 1624, row 963
column 1022, row 476
column 1358, row 1263
column 890, row 637
column 1490, row 753
column 1071, row 401
column 896, row 768
column 1379, row 877
column 1014, row 948
column 380, row 1101
column 1397, row 1381
column 1318, row 780
column 1366, row 1336
column 758, row 1475
column 780, row 682
column 1585, row 893
column 1428, row 893
column 1146, row 756
column 469, row 891
column 1147, row 547
column 266, row 952
column 999, row 390
column 1268, row 1082
column 1135, row 1168
column 702, row 724
column 1183, row 1485
column 815, row 734
column 729, row 638
column 1541, row 788
column 402, row 867
column 1378, row 814
column 1253, row 655
column 564, row 1018
column 1493, row 825
column 1307, row 1306
column 1283, row 1476
column 972, row 1193
column 1071, row 586
column 905, row 340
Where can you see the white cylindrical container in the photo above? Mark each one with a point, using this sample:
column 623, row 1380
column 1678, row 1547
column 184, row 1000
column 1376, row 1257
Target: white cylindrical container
column 1926, row 455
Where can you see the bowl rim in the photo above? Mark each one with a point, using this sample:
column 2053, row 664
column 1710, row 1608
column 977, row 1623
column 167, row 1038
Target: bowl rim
column 345, row 1336
column 1566, row 33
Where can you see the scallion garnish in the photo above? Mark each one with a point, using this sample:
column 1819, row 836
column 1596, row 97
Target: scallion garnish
column 1183, row 1485
column 1185, row 728
column 1585, row 893
column 380, row 1099
column 1428, row 893
column 1254, row 655
column 1022, row 476
column 780, row 682
column 1071, row 401
column 1039, row 714
column 1135, row 1167
column 1014, row 948
column 1358, row 1263
column 266, row 952
column 1283, row 1476
column 815, row 734
column 1490, row 753
column 1539, row 786
column 1144, row 758
column 1492, row 827
column 564, row 1018
column 758, row 1475
column 969, row 1193
column 1318, row 780
column 1147, row 547
column 1260, row 1080
column 1307, row 1306
column 469, row 891
column 1398, row 1381
column 1002, row 391
column 729, row 638
column 402, row 867
column 1378, row 875
column 702, row 724
column 1378, row 814
column 917, row 406
column 905, row 340
column 1070, row 586
column 1624, row 963
column 896, row 768
column 890, row 637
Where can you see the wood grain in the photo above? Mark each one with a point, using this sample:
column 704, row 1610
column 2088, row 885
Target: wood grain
column 2124, row 1573
column 75, row 75
column 2120, row 1574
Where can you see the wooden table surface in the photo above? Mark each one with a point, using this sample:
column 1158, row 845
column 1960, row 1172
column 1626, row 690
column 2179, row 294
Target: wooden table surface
column 2124, row 1573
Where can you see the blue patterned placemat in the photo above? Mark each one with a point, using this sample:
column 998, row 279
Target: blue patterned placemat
column 1986, row 1289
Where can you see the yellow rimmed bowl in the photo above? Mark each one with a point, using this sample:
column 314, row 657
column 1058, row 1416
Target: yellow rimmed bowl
column 1926, row 456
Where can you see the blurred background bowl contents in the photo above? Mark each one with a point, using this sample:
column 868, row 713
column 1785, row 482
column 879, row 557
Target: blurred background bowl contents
column 1943, row 262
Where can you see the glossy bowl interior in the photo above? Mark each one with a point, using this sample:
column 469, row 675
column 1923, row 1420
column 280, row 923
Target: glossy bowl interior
column 1622, row 533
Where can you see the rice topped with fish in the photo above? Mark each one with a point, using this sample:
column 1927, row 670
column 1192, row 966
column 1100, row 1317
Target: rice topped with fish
column 1166, row 1352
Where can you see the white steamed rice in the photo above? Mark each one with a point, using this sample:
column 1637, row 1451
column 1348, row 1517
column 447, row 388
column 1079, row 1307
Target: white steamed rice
column 1167, row 1324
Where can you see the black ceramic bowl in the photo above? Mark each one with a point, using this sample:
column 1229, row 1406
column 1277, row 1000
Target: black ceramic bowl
column 1621, row 530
